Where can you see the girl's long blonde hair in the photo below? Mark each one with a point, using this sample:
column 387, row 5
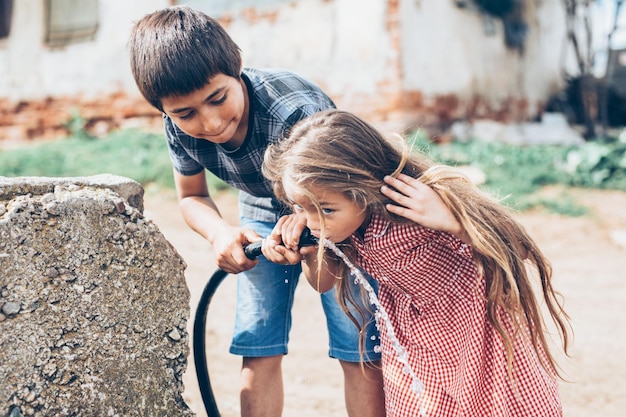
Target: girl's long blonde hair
column 337, row 151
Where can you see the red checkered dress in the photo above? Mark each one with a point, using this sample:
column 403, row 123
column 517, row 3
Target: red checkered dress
column 431, row 289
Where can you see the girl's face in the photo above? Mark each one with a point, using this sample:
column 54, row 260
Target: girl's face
column 342, row 217
column 216, row 112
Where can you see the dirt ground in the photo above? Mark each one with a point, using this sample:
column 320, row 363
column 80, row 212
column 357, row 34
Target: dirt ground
column 588, row 255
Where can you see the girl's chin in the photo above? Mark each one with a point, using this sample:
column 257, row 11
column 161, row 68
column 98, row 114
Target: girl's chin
column 335, row 240
column 332, row 239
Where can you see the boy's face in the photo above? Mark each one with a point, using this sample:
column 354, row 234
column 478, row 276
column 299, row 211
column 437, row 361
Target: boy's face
column 217, row 112
column 342, row 216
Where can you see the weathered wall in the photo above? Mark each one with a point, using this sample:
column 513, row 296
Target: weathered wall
column 457, row 60
column 379, row 58
column 93, row 302
column 422, row 61
column 31, row 70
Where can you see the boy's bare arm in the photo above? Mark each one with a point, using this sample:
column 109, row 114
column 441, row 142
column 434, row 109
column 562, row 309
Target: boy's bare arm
column 203, row 216
column 197, row 206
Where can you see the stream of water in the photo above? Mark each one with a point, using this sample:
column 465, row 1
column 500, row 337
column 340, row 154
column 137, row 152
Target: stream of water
column 382, row 318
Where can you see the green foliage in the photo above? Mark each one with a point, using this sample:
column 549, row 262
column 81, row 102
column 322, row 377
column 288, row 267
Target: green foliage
column 599, row 164
column 130, row 153
column 517, row 173
column 76, row 125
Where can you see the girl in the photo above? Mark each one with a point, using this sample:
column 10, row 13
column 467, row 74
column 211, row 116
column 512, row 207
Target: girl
column 454, row 269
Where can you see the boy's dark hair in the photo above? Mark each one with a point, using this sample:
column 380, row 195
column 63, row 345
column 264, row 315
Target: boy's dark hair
column 177, row 50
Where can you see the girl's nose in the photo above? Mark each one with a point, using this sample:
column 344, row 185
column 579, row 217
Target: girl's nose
column 312, row 221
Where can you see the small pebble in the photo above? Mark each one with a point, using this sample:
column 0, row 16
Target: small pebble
column 10, row 308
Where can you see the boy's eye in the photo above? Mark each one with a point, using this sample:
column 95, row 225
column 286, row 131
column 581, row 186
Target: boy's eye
column 327, row 211
column 187, row 116
column 220, row 100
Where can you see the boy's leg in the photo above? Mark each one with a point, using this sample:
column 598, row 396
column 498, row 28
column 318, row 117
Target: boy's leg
column 262, row 387
column 262, row 323
column 364, row 393
column 363, row 389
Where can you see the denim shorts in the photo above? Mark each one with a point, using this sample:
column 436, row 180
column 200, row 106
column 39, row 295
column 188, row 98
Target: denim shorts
column 265, row 296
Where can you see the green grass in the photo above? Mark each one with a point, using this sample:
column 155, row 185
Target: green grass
column 130, row 153
column 514, row 174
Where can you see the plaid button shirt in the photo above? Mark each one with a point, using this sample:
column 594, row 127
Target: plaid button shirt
column 278, row 99
column 435, row 299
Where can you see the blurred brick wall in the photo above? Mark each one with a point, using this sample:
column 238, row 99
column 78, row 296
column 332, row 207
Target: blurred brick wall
column 49, row 118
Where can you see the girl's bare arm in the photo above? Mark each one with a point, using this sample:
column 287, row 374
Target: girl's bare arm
column 321, row 278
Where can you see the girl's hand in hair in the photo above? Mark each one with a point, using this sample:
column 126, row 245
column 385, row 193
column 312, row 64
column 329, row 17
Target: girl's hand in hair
column 419, row 203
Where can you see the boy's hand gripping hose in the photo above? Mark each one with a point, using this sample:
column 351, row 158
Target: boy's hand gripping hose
column 252, row 251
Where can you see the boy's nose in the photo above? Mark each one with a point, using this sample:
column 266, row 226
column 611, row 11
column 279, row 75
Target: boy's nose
column 211, row 122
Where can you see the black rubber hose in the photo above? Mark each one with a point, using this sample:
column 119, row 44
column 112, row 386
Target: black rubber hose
column 252, row 251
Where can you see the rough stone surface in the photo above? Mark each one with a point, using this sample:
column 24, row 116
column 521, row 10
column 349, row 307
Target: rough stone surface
column 93, row 302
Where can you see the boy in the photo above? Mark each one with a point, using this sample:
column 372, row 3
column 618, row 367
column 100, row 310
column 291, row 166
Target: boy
column 221, row 117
